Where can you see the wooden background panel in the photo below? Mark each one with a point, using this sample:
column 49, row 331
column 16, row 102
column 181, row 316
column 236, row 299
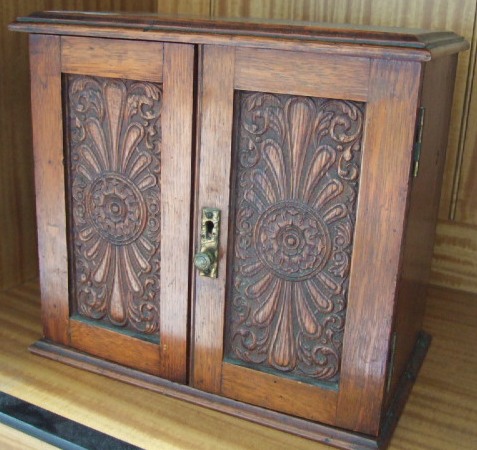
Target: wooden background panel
column 455, row 256
column 466, row 198
column 17, row 211
column 18, row 260
column 199, row 7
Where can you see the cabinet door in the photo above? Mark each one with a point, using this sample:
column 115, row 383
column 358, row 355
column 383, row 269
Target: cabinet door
column 302, row 155
column 112, row 124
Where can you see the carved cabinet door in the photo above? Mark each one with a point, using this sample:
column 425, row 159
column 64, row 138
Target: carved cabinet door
column 289, row 152
column 123, row 112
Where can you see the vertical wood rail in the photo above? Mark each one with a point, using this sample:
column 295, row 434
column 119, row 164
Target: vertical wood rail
column 384, row 188
column 50, row 184
column 216, row 98
column 176, row 173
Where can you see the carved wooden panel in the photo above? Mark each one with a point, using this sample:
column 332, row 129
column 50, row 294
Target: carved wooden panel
column 297, row 168
column 113, row 158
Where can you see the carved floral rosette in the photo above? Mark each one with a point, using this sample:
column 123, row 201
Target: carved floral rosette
column 114, row 171
column 297, row 167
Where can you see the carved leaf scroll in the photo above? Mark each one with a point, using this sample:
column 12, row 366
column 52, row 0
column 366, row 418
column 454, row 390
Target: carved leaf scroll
column 114, row 171
column 295, row 183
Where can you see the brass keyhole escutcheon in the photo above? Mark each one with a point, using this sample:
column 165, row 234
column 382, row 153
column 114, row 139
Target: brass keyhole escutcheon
column 206, row 259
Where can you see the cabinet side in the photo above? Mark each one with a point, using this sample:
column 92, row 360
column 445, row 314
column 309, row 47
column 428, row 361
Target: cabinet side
column 436, row 98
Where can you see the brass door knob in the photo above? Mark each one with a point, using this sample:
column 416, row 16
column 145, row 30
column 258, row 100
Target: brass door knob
column 204, row 261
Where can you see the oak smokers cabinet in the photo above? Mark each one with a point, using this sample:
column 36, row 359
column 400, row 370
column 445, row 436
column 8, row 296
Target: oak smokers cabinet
column 298, row 166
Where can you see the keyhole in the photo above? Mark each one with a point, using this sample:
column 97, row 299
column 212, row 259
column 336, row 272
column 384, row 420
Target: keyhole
column 209, row 228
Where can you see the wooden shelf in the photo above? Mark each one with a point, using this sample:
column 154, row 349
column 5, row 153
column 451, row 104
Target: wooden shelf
column 441, row 412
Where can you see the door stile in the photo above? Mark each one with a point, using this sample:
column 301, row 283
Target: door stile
column 213, row 177
column 387, row 156
column 45, row 66
column 176, row 167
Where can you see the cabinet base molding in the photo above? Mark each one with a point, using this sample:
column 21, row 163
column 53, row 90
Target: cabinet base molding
column 315, row 431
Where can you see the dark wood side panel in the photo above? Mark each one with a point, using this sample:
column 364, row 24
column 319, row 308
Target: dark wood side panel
column 436, row 98
column 387, row 155
column 50, row 184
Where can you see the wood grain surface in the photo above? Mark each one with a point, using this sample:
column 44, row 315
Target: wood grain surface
column 455, row 256
column 337, row 78
column 45, row 66
column 374, row 42
column 466, row 183
column 176, row 158
column 14, row 439
column 199, row 7
column 117, row 347
column 441, row 412
column 112, row 58
column 279, row 393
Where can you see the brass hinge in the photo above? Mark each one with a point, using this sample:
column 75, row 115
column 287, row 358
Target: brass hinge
column 418, row 141
column 392, row 355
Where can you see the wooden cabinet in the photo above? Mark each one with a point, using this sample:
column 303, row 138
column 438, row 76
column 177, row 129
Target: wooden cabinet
column 320, row 150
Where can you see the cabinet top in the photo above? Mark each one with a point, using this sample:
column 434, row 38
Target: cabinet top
column 346, row 39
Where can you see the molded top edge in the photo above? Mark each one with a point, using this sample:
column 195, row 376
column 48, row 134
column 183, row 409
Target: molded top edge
column 309, row 32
